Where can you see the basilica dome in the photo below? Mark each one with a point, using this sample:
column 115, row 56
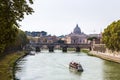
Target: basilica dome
column 77, row 30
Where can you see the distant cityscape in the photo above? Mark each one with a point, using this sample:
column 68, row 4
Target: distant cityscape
column 75, row 37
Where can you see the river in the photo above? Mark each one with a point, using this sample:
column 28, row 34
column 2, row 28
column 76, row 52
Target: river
column 54, row 66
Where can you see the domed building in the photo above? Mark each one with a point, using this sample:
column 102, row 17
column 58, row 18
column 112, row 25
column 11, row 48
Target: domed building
column 77, row 30
column 76, row 37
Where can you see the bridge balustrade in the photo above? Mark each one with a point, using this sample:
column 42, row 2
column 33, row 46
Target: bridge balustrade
column 64, row 47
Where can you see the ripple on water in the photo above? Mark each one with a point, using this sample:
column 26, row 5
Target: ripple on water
column 54, row 66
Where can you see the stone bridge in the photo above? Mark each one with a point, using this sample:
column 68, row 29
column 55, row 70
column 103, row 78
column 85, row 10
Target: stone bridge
column 52, row 46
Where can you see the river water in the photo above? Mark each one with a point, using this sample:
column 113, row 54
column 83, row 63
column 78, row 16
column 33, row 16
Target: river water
column 55, row 66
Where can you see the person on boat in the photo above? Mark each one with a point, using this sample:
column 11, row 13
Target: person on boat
column 74, row 65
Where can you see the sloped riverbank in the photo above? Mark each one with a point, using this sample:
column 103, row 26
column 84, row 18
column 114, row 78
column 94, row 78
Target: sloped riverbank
column 7, row 64
column 106, row 56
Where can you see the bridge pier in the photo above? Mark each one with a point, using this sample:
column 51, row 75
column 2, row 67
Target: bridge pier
column 90, row 48
column 58, row 45
column 51, row 48
column 64, row 49
column 77, row 49
column 37, row 49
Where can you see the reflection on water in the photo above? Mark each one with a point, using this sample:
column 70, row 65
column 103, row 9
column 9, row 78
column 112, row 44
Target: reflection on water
column 54, row 66
column 111, row 71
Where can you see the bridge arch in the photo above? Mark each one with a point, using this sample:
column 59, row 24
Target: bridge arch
column 64, row 47
column 37, row 49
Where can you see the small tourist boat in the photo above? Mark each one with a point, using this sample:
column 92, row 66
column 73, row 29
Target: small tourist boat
column 74, row 66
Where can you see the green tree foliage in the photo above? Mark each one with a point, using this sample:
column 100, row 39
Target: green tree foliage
column 91, row 38
column 11, row 11
column 111, row 36
column 61, row 41
column 20, row 41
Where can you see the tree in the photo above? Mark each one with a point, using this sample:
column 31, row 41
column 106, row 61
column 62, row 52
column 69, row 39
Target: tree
column 11, row 12
column 111, row 36
column 92, row 38
column 22, row 38
column 61, row 41
column 20, row 41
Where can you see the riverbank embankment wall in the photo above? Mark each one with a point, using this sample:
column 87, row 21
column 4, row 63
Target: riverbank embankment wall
column 99, row 50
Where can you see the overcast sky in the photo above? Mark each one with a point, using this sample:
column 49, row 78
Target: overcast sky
column 59, row 17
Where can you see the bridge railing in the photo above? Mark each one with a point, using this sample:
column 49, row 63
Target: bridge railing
column 54, row 44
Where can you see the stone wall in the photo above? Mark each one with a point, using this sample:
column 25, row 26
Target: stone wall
column 99, row 47
column 102, row 48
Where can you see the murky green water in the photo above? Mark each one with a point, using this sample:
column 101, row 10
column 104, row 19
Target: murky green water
column 54, row 66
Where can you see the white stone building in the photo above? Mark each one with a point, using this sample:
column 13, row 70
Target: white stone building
column 76, row 37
